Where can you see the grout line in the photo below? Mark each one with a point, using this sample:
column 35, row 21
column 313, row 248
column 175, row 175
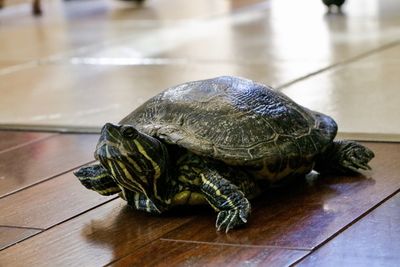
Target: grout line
column 370, row 137
column 341, row 63
column 233, row 245
column 350, row 224
column 18, row 67
column 22, row 227
column 56, row 128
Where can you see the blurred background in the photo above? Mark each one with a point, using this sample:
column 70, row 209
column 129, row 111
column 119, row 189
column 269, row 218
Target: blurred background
column 86, row 62
column 82, row 63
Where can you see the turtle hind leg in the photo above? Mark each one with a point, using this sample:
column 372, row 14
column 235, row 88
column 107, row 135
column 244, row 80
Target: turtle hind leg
column 96, row 177
column 232, row 206
column 344, row 157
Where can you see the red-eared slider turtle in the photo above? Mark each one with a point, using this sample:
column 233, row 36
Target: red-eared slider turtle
column 215, row 141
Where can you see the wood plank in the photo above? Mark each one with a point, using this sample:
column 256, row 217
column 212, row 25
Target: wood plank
column 166, row 253
column 95, row 238
column 373, row 241
column 48, row 203
column 13, row 139
column 33, row 163
column 305, row 215
column 12, row 235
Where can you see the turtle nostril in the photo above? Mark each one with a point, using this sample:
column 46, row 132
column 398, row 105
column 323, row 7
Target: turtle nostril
column 109, row 125
column 106, row 126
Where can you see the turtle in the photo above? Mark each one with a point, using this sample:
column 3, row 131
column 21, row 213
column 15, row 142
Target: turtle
column 220, row 141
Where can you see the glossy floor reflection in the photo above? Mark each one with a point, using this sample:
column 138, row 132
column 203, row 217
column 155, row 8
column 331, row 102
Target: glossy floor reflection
column 88, row 62
column 381, row 244
column 48, row 218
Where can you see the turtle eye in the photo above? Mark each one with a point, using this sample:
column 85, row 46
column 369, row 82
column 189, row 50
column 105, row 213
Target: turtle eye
column 129, row 132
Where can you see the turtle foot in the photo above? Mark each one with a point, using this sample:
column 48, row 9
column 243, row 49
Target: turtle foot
column 354, row 156
column 96, row 178
column 229, row 219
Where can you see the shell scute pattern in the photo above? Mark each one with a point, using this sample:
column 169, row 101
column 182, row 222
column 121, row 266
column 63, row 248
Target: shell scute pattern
column 234, row 120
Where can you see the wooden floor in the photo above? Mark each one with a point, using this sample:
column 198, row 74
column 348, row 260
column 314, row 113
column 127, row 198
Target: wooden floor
column 87, row 62
column 49, row 219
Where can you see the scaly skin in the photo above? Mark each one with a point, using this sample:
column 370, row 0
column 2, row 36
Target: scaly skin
column 344, row 157
column 154, row 178
column 96, row 177
column 225, row 188
column 189, row 180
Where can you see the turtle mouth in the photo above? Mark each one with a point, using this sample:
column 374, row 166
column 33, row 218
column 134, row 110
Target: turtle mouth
column 105, row 150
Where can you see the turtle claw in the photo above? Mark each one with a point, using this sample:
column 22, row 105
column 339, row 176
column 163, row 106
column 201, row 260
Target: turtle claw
column 229, row 219
column 354, row 166
column 355, row 156
column 140, row 202
column 363, row 166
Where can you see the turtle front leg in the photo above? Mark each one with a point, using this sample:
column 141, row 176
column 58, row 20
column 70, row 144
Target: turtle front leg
column 95, row 177
column 140, row 202
column 344, row 157
column 232, row 206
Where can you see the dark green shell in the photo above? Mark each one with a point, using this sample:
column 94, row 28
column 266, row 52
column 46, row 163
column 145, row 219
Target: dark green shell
column 234, row 120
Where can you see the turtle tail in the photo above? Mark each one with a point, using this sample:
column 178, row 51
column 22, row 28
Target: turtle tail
column 96, row 177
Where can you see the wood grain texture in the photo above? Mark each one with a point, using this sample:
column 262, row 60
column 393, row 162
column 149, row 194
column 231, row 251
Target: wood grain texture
column 166, row 253
column 48, row 203
column 12, row 235
column 306, row 214
column 14, row 139
column 373, row 241
column 38, row 161
column 95, row 238
column 295, row 217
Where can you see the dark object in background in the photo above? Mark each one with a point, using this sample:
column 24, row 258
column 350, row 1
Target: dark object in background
column 331, row 3
column 136, row 1
column 37, row 9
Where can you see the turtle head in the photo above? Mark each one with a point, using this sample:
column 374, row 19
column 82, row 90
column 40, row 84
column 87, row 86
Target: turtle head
column 137, row 161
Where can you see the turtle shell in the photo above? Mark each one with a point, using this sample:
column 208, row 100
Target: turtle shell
column 235, row 120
